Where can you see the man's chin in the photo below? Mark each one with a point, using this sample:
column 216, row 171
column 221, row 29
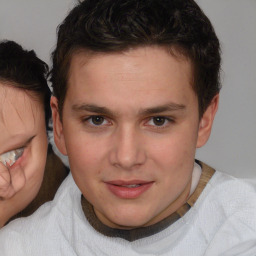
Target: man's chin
column 128, row 222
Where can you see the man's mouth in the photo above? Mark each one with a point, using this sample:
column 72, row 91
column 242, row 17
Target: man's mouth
column 128, row 189
column 131, row 186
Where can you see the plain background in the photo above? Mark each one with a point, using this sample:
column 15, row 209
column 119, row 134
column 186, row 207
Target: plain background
column 232, row 146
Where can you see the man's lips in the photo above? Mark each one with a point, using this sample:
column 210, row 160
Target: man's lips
column 128, row 189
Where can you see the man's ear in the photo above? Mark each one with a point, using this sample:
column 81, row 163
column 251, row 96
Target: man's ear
column 57, row 126
column 206, row 122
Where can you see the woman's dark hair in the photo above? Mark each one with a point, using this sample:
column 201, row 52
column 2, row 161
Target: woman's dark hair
column 114, row 26
column 23, row 69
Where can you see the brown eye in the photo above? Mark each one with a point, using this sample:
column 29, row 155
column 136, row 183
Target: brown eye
column 159, row 121
column 97, row 120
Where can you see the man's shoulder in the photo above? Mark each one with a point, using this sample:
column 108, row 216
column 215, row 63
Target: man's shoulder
column 230, row 199
column 21, row 233
column 221, row 189
column 224, row 216
column 231, row 192
column 232, row 203
column 61, row 202
column 227, row 187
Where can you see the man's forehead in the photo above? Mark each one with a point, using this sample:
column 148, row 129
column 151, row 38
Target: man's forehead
column 137, row 81
column 128, row 64
column 80, row 57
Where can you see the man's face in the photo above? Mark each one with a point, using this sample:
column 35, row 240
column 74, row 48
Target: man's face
column 22, row 126
column 130, row 128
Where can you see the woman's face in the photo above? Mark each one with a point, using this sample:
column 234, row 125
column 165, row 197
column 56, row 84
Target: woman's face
column 22, row 128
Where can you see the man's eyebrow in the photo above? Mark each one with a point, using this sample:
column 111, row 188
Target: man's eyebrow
column 162, row 108
column 91, row 108
column 148, row 111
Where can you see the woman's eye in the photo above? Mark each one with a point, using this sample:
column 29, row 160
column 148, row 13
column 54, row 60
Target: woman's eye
column 9, row 158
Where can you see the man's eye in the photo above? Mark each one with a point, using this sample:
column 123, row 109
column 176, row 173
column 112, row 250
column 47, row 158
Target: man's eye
column 159, row 121
column 97, row 120
column 9, row 158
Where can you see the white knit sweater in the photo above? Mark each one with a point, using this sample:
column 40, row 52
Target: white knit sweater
column 222, row 222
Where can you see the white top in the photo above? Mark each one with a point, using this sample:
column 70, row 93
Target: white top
column 222, row 222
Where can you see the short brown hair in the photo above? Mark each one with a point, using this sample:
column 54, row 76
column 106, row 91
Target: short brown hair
column 113, row 26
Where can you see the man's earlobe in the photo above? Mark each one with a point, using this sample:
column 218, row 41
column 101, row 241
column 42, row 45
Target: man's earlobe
column 206, row 122
column 57, row 127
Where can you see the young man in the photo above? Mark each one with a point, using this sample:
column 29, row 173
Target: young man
column 24, row 116
column 136, row 88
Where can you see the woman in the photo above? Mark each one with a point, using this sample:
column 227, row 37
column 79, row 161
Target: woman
column 24, row 116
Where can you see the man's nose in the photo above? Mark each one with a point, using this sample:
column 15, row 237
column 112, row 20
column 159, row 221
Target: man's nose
column 128, row 149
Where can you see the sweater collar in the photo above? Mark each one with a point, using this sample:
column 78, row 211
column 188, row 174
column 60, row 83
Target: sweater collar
column 138, row 233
